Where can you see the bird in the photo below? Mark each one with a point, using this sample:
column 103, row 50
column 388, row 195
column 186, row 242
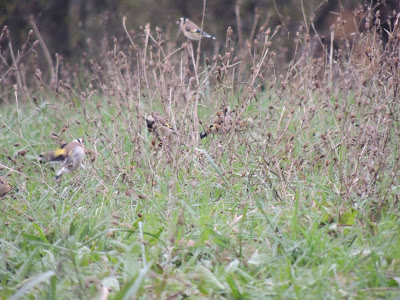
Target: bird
column 5, row 188
column 159, row 126
column 71, row 155
column 222, row 122
column 192, row 31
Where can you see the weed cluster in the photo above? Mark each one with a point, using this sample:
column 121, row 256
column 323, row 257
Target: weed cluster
column 276, row 183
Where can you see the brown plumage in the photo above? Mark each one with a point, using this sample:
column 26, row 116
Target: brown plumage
column 59, row 154
column 159, row 126
column 222, row 122
column 71, row 156
column 5, row 188
column 192, row 31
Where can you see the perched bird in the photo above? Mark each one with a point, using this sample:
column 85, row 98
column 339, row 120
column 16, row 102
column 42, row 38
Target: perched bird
column 159, row 126
column 71, row 155
column 4, row 187
column 222, row 122
column 192, row 31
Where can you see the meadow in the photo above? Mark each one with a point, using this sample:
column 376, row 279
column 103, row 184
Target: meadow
column 297, row 200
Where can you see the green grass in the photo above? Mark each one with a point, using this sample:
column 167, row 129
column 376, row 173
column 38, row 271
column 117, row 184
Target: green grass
column 213, row 225
column 298, row 202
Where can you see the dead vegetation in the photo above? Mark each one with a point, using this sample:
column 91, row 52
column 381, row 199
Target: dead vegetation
column 335, row 115
column 322, row 135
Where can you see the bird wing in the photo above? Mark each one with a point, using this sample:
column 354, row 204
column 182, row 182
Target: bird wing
column 53, row 156
column 65, row 150
column 60, row 153
column 194, row 30
column 191, row 27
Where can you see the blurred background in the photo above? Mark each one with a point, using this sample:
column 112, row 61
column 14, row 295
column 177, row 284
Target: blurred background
column 71, row 27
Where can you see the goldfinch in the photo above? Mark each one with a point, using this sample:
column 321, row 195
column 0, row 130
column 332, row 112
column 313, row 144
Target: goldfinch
column 5, row 188
column 192, row 31
column 223, row 122
column 161, row 129
column 71, row 155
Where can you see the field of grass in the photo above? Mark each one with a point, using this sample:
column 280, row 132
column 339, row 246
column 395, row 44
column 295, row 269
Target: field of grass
column 298, row 200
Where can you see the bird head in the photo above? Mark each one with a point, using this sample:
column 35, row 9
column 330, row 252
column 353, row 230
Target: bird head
column 80, row 141
column 181, row 21
column 150, row 122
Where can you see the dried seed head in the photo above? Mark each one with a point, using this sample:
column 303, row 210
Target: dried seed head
column 229, row 33
column 38, row 74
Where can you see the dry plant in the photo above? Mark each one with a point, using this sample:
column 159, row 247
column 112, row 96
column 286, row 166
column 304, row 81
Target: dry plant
column 333, row 115
column 320, row 137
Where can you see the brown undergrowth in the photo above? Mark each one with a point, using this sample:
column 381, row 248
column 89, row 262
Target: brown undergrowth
column 334, row 116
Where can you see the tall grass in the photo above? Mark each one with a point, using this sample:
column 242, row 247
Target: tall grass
column 299, row 199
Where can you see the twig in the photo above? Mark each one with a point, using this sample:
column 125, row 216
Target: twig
column 304, row 15
column 180, row 48
column 239, row 21
column 45, row 50
column 15, row 64
column 255, row 22
column 198, row 47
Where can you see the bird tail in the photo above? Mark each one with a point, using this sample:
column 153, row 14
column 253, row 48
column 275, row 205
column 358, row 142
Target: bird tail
column 209, row 36
column 203, row 134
